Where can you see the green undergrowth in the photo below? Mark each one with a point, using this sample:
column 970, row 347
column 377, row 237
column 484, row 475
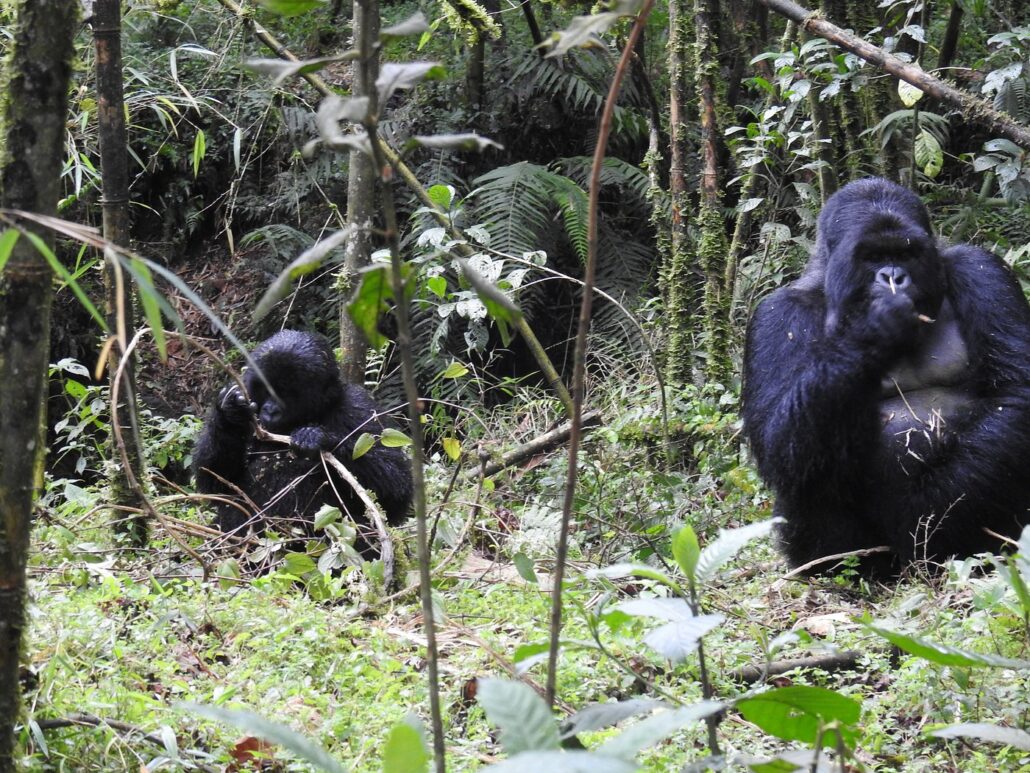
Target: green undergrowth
column 124, row 648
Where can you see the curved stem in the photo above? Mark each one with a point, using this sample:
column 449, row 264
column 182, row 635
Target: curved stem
column 579, row 363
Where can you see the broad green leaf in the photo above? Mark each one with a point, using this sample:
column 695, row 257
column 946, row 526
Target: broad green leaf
column 371, row 300
column 363, row 445
column 299, row 564
column 256, row 725
column 678, row 641
column 7, row 241
column 527, row 655
column 943, row 654
column 909, row 94
column 405, row 750
column 524, row 565
column 442, row 196
column 326, row 515
column 454, row 370
column 290, row 7
column 598, row 716
column 525, row 721
column 563, row 762
column 227, row 571
column 980, row 731
column 437, row 285
column 309, row 260
column 199, row 150
column 797, row 713
column 452, row 447
column 686, row 551
column 929, row 155
column 415, row 24
column 726, row 546
column 656, row 728
column 394, row 438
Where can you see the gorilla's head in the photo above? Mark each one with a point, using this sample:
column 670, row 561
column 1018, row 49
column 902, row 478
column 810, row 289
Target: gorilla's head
column 304, row 377
column 875, row 236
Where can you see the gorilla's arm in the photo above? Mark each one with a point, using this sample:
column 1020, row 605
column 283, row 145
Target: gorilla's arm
column 221, row 449
column 982, row 476
column 384, row 471
column 810, row 401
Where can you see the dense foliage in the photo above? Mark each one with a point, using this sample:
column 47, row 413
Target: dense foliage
column 685, row 643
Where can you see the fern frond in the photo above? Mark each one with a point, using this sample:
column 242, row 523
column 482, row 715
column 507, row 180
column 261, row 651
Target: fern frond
column 517, row 205
column 284, row 240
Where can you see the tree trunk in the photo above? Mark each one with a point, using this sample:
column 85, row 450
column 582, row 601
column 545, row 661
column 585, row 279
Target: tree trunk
column 114, row 167
column 361, row 207
column 33, row 118
column 950, row 42
column 712, row 245
column 680, row 282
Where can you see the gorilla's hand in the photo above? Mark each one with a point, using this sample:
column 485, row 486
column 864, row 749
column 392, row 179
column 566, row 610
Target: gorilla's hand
column 309, row 441
column 892, row 321
column 235, row 408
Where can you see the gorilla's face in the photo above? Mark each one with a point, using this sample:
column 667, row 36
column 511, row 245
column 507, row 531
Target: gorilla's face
column 304, row 379
column 880, row 254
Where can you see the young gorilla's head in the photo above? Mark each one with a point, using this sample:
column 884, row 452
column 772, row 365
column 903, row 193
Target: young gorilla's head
column 304, row 377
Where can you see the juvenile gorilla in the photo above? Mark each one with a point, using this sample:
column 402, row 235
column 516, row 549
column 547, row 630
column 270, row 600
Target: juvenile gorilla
column 887, row 390
column 319, row 412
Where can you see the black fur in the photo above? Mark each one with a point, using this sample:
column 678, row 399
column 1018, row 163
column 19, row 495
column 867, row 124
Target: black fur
column 319, row 413
column 875, row 425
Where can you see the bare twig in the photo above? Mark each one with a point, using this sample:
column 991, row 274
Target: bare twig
column 835, row 557
column 372, row 510
column 537, row 445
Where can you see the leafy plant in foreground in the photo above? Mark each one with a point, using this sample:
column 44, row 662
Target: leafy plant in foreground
column 534, row 739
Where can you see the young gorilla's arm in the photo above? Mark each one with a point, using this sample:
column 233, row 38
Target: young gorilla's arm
column 221, row 451
column 384, row 471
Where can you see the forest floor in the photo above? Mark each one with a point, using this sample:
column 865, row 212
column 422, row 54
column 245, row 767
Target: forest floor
column 138, row 640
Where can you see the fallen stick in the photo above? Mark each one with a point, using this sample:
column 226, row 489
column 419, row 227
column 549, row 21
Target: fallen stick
column 537, row 445
column 832, row 662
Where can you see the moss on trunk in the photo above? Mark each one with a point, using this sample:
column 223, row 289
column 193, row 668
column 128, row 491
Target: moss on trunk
column 33, row 113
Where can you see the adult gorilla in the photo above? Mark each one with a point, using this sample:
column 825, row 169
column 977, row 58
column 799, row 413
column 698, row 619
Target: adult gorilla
column 319, row 412
column 887, row 390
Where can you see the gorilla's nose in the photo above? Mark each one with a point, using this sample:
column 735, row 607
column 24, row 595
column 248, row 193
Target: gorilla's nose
column 893, row 277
